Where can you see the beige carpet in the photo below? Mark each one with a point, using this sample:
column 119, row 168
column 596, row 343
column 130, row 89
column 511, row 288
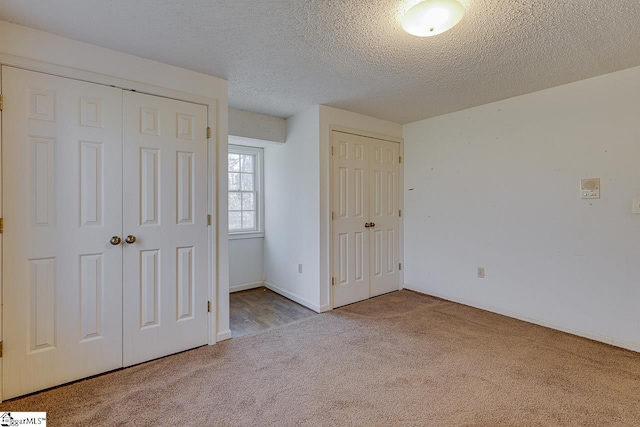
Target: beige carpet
column 399, row 359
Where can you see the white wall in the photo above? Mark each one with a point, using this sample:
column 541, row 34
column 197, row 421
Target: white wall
column 292, row 211
column 262, row 127
column 246, row 264
column 29, row 43
column 333, row 118
column 38, row 50
column 497, row 186
column 298, row 207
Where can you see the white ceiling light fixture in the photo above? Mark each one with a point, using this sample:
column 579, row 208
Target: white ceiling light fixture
column 432, row 17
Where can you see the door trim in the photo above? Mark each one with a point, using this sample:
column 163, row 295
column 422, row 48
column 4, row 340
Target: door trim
column 372, row 135
column 366, row 134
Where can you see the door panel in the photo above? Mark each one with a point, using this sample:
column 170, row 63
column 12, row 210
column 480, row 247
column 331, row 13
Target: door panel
column 364, row 190
column 62, row 279
column 165, row 269
column 350, row 251
column 384, row 169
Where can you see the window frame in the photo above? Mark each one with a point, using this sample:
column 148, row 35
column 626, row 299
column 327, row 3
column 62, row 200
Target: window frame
column 258, row 188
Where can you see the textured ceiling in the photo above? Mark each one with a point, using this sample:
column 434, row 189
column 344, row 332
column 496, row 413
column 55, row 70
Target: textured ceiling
column 281, row 56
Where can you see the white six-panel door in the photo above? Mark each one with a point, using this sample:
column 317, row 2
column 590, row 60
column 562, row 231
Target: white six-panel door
column 62, row 188
column 165, row 200
column 365, row 217
column 384, row 213
column 85, row 166
column 350, row 204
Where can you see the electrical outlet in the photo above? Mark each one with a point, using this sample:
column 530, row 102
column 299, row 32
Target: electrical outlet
column 299, row 268
column 481, row 272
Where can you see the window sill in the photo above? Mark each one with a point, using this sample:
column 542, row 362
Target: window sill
column 251, row 235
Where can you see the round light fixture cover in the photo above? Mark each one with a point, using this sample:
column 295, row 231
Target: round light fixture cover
column 432, row 17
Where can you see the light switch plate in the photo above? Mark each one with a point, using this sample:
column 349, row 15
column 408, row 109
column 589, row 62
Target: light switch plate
column 590, row 188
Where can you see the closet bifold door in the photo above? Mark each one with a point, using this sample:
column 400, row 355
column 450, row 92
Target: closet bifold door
column 62, row 202
column 165, row 227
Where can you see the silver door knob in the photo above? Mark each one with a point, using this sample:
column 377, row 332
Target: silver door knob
column 115, row 240
column 130, row 239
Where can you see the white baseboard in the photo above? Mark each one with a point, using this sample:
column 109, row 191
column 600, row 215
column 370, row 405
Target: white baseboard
column 246, row 286
column 224, row 335
column 292, row 297
column 581, row 333
column 324, row 308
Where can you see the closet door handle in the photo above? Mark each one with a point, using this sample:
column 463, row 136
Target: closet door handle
column 130, row 239
column 372, row 224
column 115, row 240
column 367, row 225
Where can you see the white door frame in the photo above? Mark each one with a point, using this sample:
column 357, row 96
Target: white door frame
column 213, row 115
column 382, row 137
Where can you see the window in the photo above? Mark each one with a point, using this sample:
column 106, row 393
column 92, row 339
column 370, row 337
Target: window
column 245, row 180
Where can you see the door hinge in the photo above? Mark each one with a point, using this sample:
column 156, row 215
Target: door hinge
column 400, row 212
column 208, row 306
column 1, row 102
column 400, row 266
column 209, row 220
column 208, row 132
column 0, row 348
column 333, row 216
column 1, row 225
column 332, row 150
column 400, row 159
column 333, row 281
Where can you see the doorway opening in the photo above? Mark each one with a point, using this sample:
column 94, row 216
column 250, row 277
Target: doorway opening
column 252, row 306
column 256, row 310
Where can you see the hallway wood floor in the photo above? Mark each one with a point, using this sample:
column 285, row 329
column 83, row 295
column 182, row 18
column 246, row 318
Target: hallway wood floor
column 260, row 309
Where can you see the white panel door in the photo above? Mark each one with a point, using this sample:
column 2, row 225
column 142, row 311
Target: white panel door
column 350, row 201
column 365, row 226
column 384, row 169
column 62, row 189
column 165, row 210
